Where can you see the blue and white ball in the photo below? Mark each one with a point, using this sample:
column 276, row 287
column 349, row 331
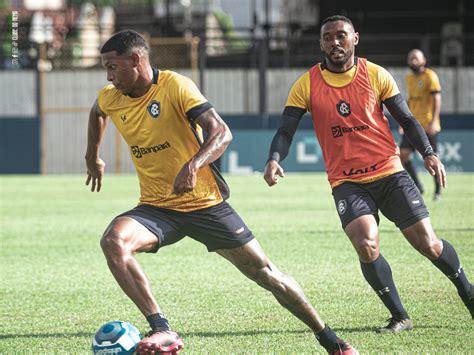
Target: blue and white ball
column 116, row 338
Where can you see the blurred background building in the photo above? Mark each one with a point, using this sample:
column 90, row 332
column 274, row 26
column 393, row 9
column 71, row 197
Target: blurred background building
column 243, row 54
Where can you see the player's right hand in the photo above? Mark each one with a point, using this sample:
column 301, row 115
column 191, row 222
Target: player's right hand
column 95, row 171
column 436, row 168
column 273, row 172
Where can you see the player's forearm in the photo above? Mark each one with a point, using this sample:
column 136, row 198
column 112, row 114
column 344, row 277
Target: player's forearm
column 282, row 140
column 436, row 105
column 411, row 127
column 218, row 138
column 212, row 148
column 95, row 133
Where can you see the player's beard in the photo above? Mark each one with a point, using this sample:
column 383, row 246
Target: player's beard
column 340, row 62
column 415, row 69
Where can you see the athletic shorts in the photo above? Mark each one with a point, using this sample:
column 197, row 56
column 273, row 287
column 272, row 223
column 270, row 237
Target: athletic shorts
column 396, row 196
column 405, row 143
column 217, row 227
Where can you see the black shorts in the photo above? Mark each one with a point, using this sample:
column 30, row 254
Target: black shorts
column 405, row 143
column 396, row 196
column 217, row 227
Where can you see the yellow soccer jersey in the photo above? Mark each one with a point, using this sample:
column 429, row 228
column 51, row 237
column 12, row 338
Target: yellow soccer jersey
column 157, row 129
column 383, row 84
column 421, row 88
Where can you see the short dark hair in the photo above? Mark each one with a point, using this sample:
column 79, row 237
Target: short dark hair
column 122, row 41
column 337, row 18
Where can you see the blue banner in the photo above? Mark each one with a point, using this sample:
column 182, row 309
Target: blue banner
column 248, row 151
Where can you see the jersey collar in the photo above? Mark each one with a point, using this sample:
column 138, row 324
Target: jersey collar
column 156, row 73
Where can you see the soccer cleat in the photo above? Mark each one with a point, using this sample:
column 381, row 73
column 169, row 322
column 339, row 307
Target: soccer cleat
column 344, row 349
column 396, row 325
column 469, row 301
column 437, row 197
column 165, row 342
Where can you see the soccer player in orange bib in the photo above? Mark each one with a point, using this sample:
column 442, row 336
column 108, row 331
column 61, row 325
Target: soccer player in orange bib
column 424, row 101
column 162, row 117
column 344, row 95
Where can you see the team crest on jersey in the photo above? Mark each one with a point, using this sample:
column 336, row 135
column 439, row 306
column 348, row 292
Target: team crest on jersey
column 154, row 109
column 420, row 83
column 341, row 206
column 343, row 108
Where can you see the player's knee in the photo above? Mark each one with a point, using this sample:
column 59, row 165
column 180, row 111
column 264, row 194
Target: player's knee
column 367, row 249
column 432, row 249
column 269, row 279
column 113, row 242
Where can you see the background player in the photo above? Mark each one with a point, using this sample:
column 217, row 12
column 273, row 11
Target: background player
column 344, row 95
column 424, row 101
column 162, row 116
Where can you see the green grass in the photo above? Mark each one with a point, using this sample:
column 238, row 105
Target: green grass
column 56, row 289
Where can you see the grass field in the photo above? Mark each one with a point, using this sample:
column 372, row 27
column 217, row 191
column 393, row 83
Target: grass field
column 56, row 289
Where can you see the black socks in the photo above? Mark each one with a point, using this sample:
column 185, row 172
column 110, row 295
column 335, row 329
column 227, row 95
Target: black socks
column 379, row 275
column 329, row 340
column 158, row 322
column 449, row 264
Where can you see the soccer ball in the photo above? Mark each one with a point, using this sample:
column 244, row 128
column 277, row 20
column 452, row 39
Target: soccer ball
column 116, row 337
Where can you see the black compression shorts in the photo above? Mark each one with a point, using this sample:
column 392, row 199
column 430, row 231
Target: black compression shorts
column 217, row 227
column 396, row 196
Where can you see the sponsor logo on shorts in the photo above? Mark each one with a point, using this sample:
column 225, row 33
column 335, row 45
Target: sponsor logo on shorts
column 354, row 171
column 240, row 230
column 341, row 206
column 416, row 202
column 343, row 108
column 139, row 152
column 339, row 131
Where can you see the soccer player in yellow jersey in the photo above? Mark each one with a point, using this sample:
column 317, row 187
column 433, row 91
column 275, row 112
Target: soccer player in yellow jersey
column 345, row 95
column 424, row 100
column 162, row 116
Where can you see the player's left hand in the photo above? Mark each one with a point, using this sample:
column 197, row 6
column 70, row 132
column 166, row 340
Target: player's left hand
column 436, row 168
column 186, row 179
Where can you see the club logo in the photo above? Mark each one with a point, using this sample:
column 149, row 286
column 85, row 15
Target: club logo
column 343, row 108
column 154, row 109
column 342, row 207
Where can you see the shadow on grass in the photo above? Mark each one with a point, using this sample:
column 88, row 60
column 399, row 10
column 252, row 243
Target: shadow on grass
column 216, row 334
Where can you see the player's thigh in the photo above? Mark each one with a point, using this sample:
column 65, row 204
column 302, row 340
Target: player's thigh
column 400, row 200
column 353, row 201
column 248, row 258
column 406, row 149
column 153, row 228
column 127, row 234
column 217, row 227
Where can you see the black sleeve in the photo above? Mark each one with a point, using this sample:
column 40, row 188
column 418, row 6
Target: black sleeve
column 412, row 129
column 194, row 113
column 281, row 142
